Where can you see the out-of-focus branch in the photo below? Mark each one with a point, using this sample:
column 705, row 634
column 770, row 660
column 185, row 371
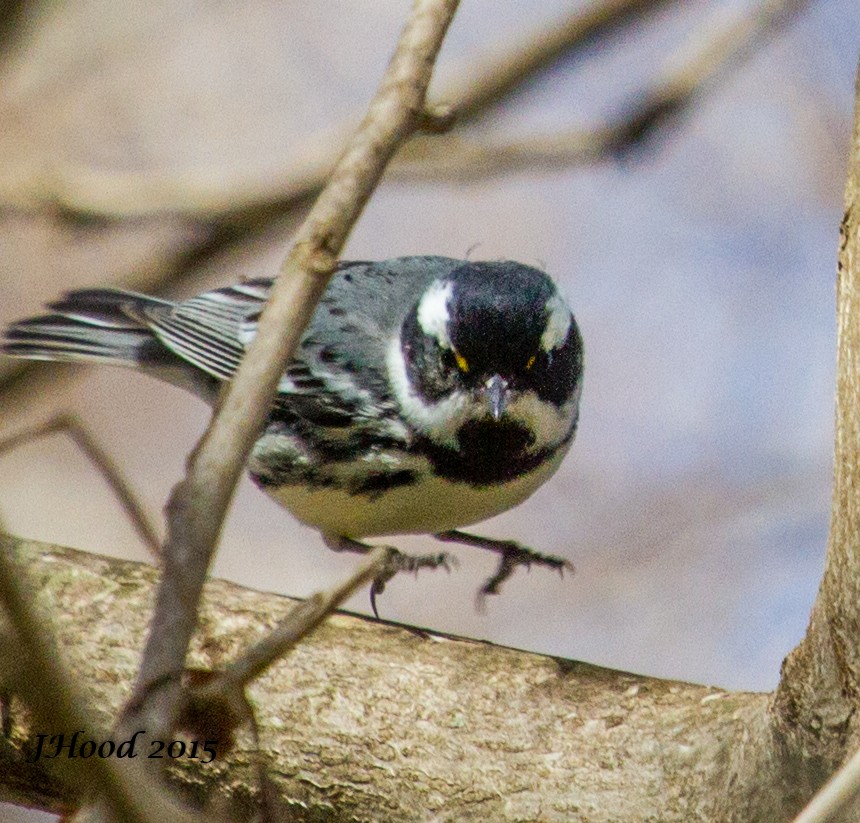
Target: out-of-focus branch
column 114, row 194
column 197, row 505
column 515, row 64
column 70, row 425
column 835, row 796
column 33, row 669
column 11, row 13
column 714, row 49
column 699, row 63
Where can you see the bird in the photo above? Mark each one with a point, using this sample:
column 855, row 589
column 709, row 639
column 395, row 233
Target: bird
column 427, row 393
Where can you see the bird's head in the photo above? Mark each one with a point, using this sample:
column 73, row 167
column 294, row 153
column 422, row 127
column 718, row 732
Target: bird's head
column 490, row 352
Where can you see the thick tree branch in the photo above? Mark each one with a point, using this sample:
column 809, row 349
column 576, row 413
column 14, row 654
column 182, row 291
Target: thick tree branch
column 32, row 668
column 820, row 688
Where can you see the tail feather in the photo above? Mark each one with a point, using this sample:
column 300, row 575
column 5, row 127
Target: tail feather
column 110, row 308
column 54, row 337
column 88, row 325
column 107, row 326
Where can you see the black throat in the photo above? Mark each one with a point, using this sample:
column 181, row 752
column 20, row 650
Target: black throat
column 487, row 453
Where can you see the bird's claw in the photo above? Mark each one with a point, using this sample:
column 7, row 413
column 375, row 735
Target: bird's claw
column 399, row 561
column 513, row 555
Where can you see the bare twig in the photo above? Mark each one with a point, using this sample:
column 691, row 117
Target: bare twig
column 44, row 683
column 699, row 63
column 197, row 505
column 299, row 623
column 835, row 796
column 71, row 425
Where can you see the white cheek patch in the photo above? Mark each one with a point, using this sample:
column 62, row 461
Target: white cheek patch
column 558, row 323
column 433, row 314
column 549, row 423
column 440, row 421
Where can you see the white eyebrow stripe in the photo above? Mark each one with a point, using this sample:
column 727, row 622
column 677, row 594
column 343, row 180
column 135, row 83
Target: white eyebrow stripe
column 558, row 323
column 433, row 314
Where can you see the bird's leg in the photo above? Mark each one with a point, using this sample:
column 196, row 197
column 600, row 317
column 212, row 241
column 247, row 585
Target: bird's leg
column 398, row 561
column 512, row 555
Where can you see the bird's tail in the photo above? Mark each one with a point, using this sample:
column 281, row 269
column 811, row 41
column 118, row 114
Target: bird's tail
column 94, row 325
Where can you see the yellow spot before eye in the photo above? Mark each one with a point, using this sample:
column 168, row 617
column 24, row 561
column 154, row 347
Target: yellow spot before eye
column 462, row 363
column 531, row 362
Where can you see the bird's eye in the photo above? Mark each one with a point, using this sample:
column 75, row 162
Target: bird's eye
column 462, row 363
column 531, row 361
column 451, row 359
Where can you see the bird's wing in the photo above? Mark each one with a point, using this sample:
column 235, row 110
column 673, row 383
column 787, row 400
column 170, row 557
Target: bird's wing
column 205, row 330
column 213, row 330
column 338, row 377
column 342, row 362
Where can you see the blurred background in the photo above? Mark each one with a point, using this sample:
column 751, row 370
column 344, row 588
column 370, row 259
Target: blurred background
column 165, row 147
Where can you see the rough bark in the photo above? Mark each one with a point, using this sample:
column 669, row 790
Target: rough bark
column 815, row 705
column 368, row 721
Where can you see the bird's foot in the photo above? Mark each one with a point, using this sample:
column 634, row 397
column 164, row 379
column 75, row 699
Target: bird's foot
column 511, row 554
column 397, row 561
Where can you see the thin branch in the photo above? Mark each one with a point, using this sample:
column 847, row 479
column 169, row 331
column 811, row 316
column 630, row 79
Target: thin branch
column 299, row 623
column 72, row 426
column 698, row 64
column 197, row 505
column 835, row 796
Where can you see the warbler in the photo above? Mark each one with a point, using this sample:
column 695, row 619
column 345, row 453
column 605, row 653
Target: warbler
column 427, row 393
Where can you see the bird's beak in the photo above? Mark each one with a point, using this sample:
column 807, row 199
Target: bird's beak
column 497, row 395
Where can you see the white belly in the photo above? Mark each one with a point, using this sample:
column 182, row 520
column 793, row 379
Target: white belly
column 431, row 505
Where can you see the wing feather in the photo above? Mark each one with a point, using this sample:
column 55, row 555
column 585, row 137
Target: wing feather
column 205, row 330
